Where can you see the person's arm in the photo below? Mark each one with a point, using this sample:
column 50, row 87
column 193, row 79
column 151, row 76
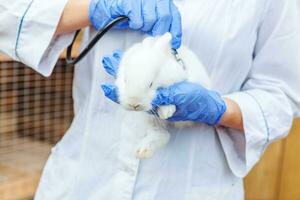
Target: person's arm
column 269, row 98
column 27, row 32
column 232, row 118
column 151, row 16
column 75, row 16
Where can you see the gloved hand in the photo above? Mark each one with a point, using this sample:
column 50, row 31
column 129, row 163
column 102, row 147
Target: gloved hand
column 111, row 66
column 193, row 102
column 150, row 16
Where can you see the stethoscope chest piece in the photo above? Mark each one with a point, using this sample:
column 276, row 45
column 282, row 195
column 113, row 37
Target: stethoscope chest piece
column 178, row 58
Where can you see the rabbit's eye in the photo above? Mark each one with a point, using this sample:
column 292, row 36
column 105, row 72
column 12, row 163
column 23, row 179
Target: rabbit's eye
column 150, row 85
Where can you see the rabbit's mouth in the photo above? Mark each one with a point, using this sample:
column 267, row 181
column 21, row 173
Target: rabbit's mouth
column 135, row 107
column 134, row 103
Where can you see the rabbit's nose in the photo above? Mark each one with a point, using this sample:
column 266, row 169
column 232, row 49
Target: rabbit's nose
column 135, row 106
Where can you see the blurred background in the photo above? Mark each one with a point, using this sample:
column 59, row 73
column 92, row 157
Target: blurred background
column 36, row 111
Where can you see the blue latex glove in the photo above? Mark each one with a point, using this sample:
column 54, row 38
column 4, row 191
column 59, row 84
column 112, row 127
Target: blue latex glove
column 111, row 66
column 111, row 63
column 193, row 102
column 150, row 16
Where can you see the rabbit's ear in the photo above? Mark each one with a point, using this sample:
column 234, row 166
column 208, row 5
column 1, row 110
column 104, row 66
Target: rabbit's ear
column 164, row 42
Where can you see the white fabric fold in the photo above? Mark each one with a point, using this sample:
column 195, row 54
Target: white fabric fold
column 27, row 34
column 36, row 45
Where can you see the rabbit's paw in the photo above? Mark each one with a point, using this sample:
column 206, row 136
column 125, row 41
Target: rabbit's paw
column 144, row 151
column 165, row 112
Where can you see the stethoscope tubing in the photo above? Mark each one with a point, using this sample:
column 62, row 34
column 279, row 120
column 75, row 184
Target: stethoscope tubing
column 96, row 38
column 91, row 44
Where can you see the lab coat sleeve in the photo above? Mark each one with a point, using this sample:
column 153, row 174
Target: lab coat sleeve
column 270, row 97
column 27, row 30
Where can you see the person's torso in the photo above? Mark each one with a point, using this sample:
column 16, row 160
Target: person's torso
column 222, row 33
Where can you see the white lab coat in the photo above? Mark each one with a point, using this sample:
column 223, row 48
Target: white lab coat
column 252, row 52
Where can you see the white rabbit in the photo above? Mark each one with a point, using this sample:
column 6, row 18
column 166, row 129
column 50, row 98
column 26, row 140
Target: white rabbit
column 144, row 68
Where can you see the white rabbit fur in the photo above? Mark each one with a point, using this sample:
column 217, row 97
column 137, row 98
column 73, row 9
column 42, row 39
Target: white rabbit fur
column 145, row 67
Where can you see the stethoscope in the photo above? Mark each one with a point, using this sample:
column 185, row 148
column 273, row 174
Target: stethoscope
column 91, row 44
column 97, row 37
